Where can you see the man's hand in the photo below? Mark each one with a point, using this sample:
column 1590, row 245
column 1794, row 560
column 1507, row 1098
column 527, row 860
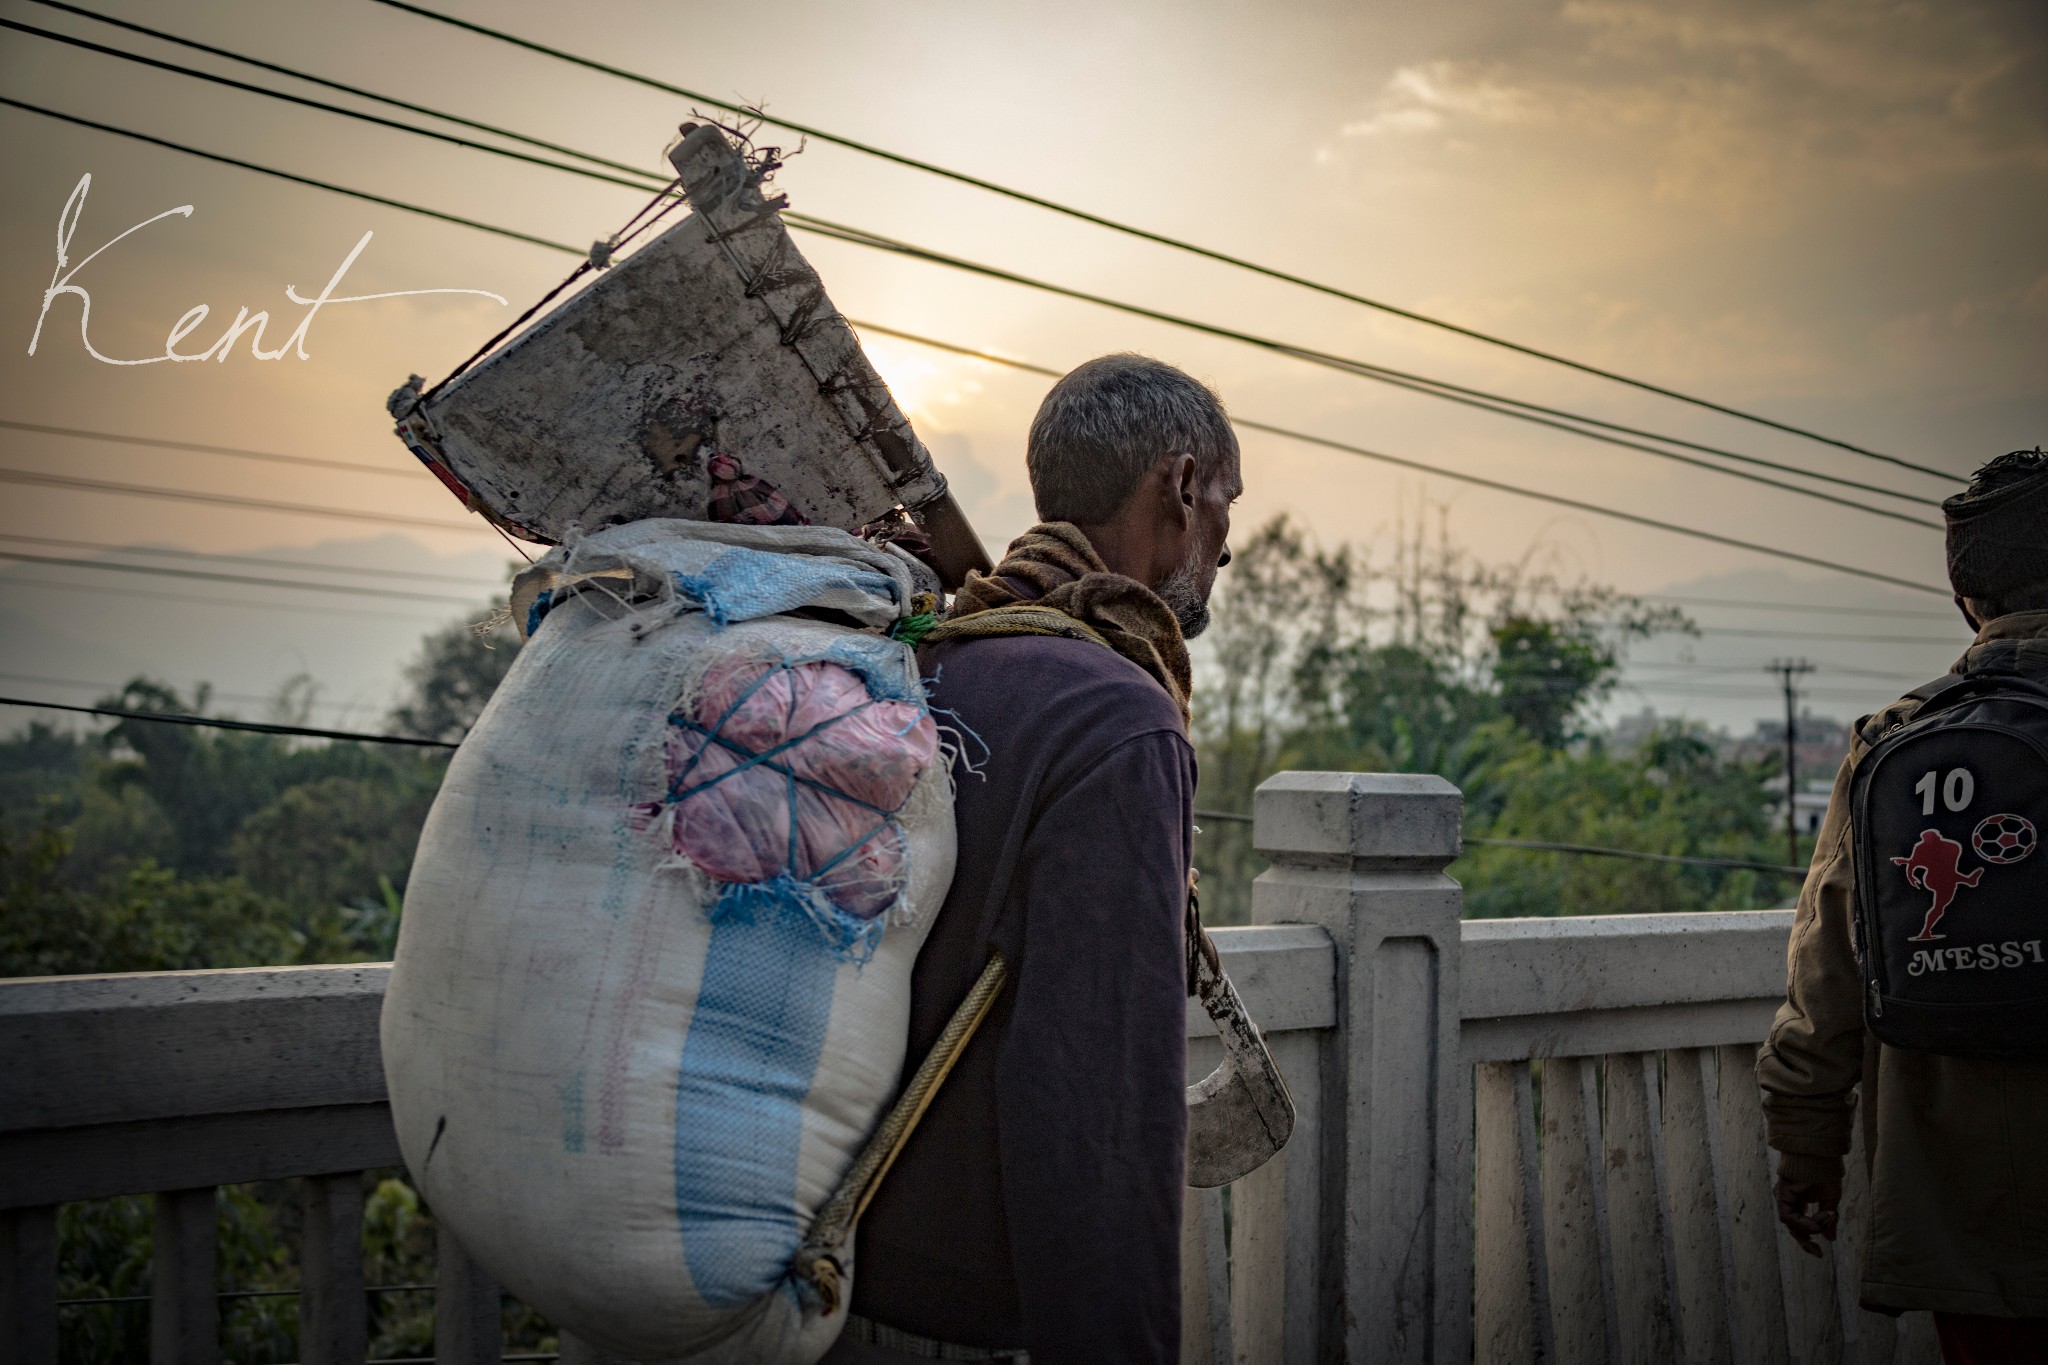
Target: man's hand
column 1808, row 1210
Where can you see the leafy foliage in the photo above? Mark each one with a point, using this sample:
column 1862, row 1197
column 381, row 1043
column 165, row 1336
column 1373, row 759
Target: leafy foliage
column 141, row 918
column 1486, row 674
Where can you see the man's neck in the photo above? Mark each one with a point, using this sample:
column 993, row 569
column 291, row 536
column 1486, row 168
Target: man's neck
column 1122, row 549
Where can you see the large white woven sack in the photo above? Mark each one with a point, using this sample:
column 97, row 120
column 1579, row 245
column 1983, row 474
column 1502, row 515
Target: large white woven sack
column 627, row 1112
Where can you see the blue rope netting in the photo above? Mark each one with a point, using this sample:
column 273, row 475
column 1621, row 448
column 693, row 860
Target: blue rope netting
column 850, row 937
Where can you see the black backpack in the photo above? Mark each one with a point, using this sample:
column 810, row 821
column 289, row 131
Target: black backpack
column 1951, row 925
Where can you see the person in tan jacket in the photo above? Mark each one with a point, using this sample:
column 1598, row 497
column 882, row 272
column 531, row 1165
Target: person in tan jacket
column 1957, row 1147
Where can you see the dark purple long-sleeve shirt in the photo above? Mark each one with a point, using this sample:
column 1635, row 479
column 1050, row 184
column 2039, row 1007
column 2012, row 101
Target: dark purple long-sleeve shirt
column 1039, row 1203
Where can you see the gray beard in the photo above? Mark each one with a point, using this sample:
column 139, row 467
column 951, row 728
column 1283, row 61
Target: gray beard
column 1185, row 601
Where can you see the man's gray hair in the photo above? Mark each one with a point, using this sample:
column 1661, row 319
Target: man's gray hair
column 1107, row 422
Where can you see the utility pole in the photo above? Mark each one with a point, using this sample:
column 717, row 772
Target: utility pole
column 1787, row 670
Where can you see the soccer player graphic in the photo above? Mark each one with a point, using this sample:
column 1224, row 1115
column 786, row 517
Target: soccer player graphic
column 1934, row 866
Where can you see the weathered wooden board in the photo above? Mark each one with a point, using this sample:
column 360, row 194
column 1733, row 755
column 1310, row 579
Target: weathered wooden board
column 714, row 337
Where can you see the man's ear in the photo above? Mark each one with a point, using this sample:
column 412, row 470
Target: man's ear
column 1181, row 476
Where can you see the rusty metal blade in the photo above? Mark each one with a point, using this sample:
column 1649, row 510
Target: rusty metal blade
column 1240, row 1115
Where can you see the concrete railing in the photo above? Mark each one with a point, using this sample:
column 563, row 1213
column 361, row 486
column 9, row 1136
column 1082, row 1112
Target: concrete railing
column 1518, row 1140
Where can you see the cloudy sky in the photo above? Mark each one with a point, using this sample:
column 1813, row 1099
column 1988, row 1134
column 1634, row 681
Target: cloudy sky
column 1829, row 213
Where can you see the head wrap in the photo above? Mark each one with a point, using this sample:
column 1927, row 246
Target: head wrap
column 1998, row 527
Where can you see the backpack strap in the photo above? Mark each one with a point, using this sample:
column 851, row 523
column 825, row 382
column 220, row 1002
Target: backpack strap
column 1950, row 689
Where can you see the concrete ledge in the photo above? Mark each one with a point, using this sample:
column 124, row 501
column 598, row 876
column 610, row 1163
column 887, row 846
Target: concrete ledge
column 149, row 1045
column 1603, row 962
column 1390, row 818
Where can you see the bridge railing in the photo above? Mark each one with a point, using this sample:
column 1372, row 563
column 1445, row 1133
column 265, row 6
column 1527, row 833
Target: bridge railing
column 1518, row 1140
column 1523, row 1140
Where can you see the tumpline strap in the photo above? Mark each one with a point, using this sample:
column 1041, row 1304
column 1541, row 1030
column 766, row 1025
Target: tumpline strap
column 1018, row 618
column 820, row 1264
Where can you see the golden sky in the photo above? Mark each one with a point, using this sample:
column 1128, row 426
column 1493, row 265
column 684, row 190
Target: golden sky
column 1828, row 212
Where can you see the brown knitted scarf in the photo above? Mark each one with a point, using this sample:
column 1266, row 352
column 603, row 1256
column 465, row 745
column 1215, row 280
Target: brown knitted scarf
column 1077, row 597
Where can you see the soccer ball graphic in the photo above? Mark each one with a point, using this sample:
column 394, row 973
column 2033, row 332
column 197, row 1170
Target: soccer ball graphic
column 2004, row 838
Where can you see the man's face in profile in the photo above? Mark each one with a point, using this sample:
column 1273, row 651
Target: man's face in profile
column 1187, row 591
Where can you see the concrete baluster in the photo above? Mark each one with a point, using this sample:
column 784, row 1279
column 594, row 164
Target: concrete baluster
column 1363, row 856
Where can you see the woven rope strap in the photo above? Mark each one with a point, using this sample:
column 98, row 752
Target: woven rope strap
column 820, row 1261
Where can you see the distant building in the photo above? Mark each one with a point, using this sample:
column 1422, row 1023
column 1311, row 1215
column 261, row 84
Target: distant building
column 1823, row 744
column 1809, row 803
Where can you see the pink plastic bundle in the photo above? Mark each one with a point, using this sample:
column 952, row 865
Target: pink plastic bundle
column 765, row 736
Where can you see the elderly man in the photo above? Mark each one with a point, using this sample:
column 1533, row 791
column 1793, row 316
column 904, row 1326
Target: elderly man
column 1036, row 1213
column 1955, row 1099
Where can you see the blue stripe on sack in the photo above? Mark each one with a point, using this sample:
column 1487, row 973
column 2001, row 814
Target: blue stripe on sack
column 748, row 1061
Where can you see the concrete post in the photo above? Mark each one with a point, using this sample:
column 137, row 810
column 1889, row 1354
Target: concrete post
column 467, row 1307
column 1362, row 855
column 184, row 1308
column 28, row 1285
column 333, row 1315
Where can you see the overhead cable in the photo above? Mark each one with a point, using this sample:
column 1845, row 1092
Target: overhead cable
column 497, row 585
column 105, row 688
column 995, row 358
column 359, row 92
column 271, row 457
column 1818, row 608
column 40, row 480
column 302, row 100
column 1545, row 846
column 1593, row 508
column 457, row 219
column 1500, row 405
column 300, row 585
column 1572, row 423
column 1160, row 239
column 260, row 561
column 315, row 732
column 223, row 723
column 234, row 604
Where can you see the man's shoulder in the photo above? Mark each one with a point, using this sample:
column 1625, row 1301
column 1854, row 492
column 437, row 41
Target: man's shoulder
column 1064, row 683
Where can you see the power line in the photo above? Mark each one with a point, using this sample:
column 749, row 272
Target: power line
column 236, row 604
column 298, row 75
column 1360, row 451
column 25, row 476
column 1818, row 607
column 1758, row 693
column 1739, row 632
column 1546, row 846
column 261, row 561
column 303, row 101
column 271, row 457
column 1161, row 239
column 413, row 575
column 1500, row 405
column 457, row 219
column 222, row 723
column 115, row 688
column 314, row 732
column 1497, row 404
column 1541, row 845
column 1364, row 453
column 300, row 585
column 1482, row 400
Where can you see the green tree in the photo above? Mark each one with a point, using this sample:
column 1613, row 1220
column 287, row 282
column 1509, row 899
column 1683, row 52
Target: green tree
column 144, row 918
column 1431, row 661
column 455, row 673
